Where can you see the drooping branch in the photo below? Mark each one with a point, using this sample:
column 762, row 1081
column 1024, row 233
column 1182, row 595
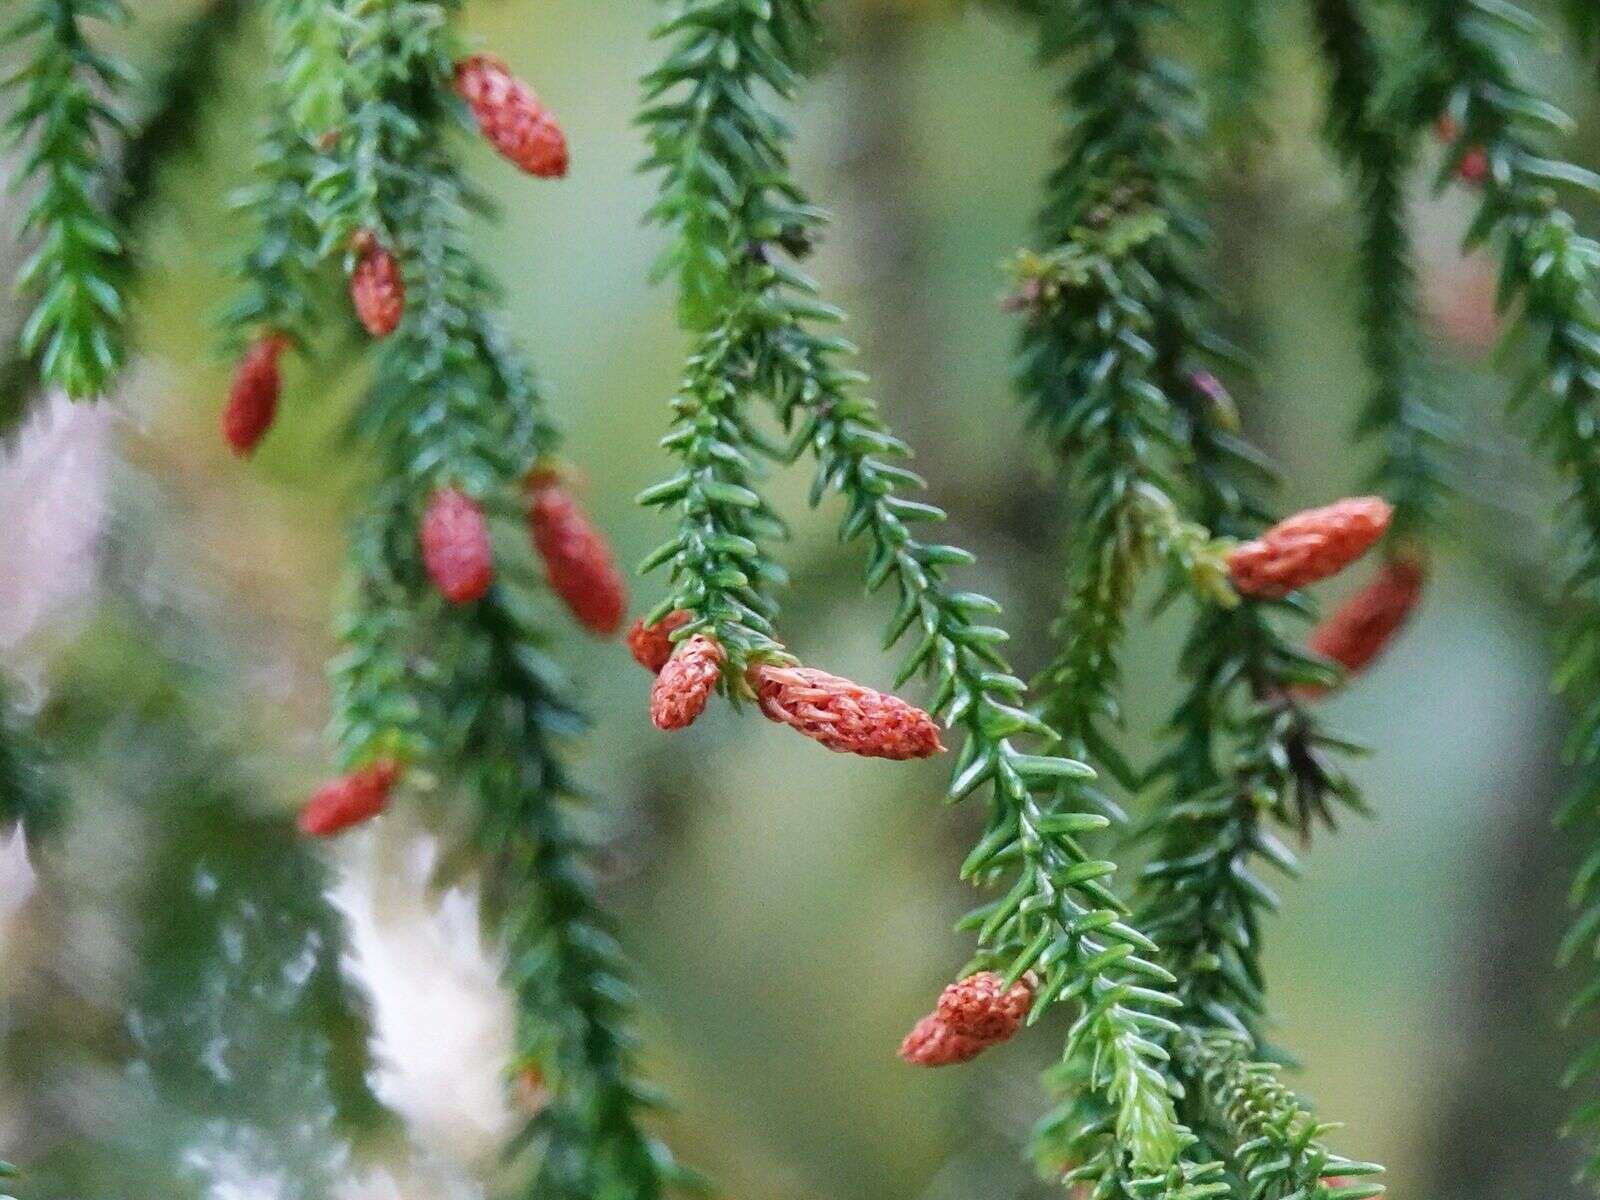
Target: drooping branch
column 64, row 120
column 1378, row 152
column 1246, row 754
column 192, row 63
column 1548, row 278
column 445, row 689
column 1115, row 225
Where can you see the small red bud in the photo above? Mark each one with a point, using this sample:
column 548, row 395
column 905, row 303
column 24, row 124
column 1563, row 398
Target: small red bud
column 376, row 288
column 651, row 645
column 511, row 117
column 349, row 800
column 253, row 394
column 455, row 546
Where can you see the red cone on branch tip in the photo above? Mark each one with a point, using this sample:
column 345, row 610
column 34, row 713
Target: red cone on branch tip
column 454, row 539
column 685, row 683
column 1308, row 546
column 651, row 645
column 577, row 561
column 932, row 1043
column 253, row 394
column 980, row 1007
column 1360, row 629
column 844, row 716
column 349, row 800
column 511, row 116
column 377, row 290
column 972, row 1014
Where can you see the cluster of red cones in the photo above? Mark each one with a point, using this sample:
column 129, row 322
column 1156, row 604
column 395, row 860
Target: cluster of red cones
column 457, row 556
column 1318, row 543
column 512, row 119
column 835, row 712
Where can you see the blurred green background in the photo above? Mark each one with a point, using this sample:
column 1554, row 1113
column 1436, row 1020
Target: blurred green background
column 790, row 911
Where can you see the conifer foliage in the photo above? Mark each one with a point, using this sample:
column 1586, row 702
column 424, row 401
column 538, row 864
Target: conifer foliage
column 445, row 691
column 449, row 703
column 62, row 120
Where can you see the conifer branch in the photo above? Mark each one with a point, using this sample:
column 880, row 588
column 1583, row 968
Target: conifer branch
column 63, row 117
column 310, row 41
column 1245, row 753
column 1548, row 278
column 1088, row 361
column 283, row 273
column 461, row 696
column 1057, row 918
column 721, row 572
column 1242, row 668
column 192, row 63
column 282, row 270
column 1239, row 764
column 1378, row 152
column 1248, row 754
column 563, row 961
column 1274, row 1141
column 719, row 148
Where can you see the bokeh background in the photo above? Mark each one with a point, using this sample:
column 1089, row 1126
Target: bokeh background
column 171, row 973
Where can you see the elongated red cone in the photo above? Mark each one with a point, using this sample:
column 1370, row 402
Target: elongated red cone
column 511, row 116
column 577, row 561
column 349, row 800
column 253, row 394
column 454, row 539
column 1361, row 628
column 1309, row 546
column 377, row 291
column 972, row 1015
column 844, row 716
